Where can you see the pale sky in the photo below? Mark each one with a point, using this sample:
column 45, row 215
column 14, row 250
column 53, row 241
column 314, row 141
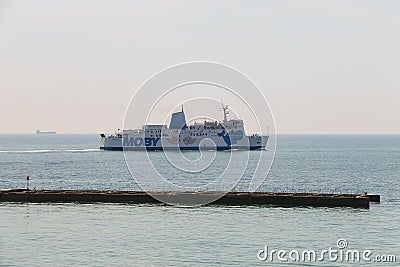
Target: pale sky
column 324, row 66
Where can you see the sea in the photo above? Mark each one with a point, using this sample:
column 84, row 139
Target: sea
column 78, row 234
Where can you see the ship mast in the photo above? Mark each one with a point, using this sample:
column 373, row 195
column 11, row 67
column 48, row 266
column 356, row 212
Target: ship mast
column 225, row 110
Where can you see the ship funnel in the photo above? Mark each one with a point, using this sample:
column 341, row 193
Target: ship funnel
column 178, row 120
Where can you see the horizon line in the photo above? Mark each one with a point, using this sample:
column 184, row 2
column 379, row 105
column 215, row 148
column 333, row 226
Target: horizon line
column 278, row 133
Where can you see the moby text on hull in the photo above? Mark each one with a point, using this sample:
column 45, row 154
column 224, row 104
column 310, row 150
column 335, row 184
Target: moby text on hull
column 209, row 135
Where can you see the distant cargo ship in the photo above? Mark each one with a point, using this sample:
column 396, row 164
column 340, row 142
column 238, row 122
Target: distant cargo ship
column 49, row 132
column 228, row 134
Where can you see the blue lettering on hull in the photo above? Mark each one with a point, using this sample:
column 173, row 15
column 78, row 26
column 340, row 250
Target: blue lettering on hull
column 139, row 141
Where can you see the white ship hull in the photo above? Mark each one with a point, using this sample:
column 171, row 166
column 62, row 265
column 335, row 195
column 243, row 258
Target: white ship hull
column 152, row 143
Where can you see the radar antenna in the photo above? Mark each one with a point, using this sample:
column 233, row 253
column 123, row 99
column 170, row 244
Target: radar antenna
column 225, row 110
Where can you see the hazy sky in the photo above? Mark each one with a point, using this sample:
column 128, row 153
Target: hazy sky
column 324, row 66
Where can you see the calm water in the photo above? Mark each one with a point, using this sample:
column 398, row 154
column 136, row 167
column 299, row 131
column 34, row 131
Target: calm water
column 111, row 234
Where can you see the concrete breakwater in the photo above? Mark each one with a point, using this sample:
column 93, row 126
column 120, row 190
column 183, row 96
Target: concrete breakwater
column 231, row 198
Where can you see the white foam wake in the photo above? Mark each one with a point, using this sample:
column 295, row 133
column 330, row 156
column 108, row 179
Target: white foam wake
column 52, row 150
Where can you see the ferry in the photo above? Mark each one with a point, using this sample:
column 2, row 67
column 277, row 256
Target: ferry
column 209, row 135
